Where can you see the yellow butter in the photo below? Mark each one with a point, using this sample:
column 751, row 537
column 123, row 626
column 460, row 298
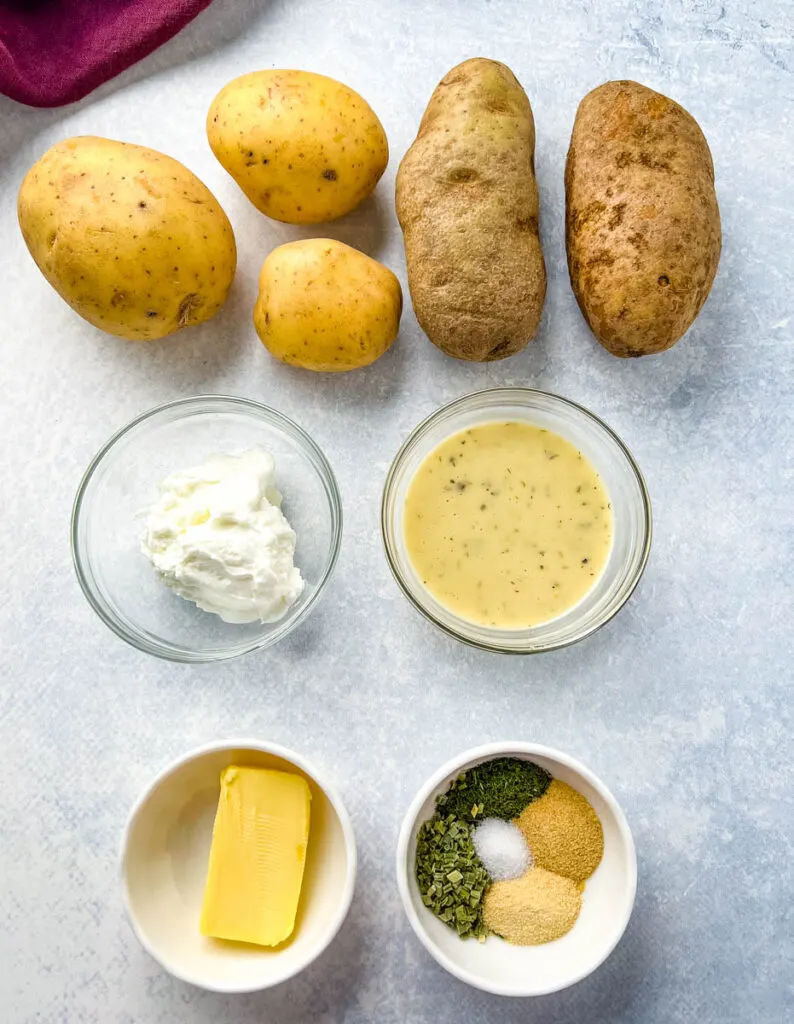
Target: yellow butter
column 257, row 857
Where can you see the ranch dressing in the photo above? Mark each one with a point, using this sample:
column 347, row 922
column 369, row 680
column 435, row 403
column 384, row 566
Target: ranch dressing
column 507, row 524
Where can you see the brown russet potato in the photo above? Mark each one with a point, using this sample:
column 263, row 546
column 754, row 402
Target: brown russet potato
column 467, row 202
column 642, row 221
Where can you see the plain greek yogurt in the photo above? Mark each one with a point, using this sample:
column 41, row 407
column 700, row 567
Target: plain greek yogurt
column 218, row 537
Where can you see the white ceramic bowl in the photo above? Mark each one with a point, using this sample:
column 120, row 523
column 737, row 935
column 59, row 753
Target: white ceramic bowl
column 494, row 965
column 164, row 858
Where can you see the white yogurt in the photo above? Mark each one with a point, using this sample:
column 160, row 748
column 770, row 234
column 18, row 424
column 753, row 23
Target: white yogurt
column 218, row 537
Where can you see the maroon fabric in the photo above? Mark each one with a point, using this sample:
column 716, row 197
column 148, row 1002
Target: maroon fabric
column 56, row 51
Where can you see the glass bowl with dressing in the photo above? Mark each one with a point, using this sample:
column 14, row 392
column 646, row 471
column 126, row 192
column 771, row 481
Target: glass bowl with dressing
column 516, row 520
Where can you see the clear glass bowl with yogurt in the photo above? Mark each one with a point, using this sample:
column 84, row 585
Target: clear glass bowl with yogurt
column 123, row 481
column 610, row 458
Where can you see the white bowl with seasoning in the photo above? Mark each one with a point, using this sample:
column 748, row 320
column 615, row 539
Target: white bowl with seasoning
column 489, row 520
column 164, row 857
column 494, row 965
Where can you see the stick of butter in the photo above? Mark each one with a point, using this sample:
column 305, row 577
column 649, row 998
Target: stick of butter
column 257, row 857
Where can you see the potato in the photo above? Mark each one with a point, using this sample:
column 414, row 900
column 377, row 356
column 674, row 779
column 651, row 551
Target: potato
column 467, row 201
column 325, row 306
column 642, row 221
column 133, row 241
column 304, row 148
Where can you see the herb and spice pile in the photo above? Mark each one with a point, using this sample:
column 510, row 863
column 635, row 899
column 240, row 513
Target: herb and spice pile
column 507, row 853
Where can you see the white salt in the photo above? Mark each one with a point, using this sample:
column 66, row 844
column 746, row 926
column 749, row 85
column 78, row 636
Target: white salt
column 502, row 848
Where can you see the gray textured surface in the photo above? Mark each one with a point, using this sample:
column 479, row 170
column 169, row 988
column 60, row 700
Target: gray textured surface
column 681, row 704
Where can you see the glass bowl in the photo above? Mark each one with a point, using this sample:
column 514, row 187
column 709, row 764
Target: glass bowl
column 123, row 480
column 631, row 509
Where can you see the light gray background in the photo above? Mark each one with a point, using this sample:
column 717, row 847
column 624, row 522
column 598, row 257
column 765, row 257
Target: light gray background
column 681, row 704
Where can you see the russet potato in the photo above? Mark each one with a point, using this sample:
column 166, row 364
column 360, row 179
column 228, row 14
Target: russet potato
column 642, row 221
column 467, row 201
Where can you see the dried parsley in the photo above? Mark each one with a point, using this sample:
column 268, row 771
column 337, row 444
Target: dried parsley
column 451, row 878
column 501, row 788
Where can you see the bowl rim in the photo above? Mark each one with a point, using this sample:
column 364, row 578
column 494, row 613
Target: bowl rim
column 173, row 652
column 459, row 633
column 348, row 831
column 451, row 769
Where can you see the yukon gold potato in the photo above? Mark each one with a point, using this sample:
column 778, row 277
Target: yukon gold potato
column 130, row 238
column 467, row 201
column 325, row 306
column 304, row 148
column 642, row 221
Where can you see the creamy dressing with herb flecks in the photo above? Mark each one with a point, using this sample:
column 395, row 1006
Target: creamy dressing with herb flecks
column 507, row 524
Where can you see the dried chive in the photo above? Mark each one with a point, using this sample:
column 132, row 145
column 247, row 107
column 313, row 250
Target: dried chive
column 451, row 878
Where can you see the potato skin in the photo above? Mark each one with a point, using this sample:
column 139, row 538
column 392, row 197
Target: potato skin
column 467, row 202
column 642, row 222
column 304, row 148
column 325, row 306
column 129, row 237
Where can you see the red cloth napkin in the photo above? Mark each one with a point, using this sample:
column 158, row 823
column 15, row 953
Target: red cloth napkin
column 56, row 51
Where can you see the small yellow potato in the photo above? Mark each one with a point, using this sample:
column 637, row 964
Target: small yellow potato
column 325, row 306
column 304, row 148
